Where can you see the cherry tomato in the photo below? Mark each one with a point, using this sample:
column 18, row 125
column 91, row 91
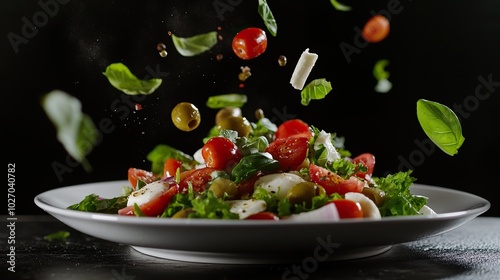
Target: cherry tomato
column 332, row 182
column 348, row 208
column 136, row 174
column 263, row 216
column 376, row 29
column 170, row 167
column 155, row 206
column 289, row 152
column 220, row 153
column 368, row 160
column 198, row 178
column 246, row 187
column 249, row 43
column 293, row 127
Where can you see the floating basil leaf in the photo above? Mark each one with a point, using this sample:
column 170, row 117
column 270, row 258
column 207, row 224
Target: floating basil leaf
column 251, row 164
column 75, row 130
column 121, row 78
column 226, row 100
column 441, row 125
column 339, row 6
column 267, row 16
column 316, row 89
column 195, row 45
column 382, row 76
column 162, row 152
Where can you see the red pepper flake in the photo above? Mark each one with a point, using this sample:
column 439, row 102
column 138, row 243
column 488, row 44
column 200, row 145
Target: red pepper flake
column 138, row 107
column 219, row 37
column 219, row 57
column 242, row 85
column 169, row 33
column 219, row 28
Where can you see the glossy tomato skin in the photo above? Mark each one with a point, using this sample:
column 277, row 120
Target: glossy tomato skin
column 220, row 153
column 155, row 206
column 332, row 182
column 136, row 174
column 289, row 152
column 376, row 29
column 249, row 43
column 293, row 127
column 263, row 216
column 246, row 187
column 368, row 160
column 198, row 178
column 348, row 208
column 170, row 167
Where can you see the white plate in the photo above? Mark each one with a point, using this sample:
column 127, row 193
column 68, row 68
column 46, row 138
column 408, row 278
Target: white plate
column 236, row 242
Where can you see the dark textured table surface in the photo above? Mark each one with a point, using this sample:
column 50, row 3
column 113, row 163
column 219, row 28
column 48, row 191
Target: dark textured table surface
column 471, row 251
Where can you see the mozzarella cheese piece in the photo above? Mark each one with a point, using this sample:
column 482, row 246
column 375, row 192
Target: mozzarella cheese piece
column 278, row 183
column 325, row 139
column 147, row 193
column 369, row 208
column 427, row 211
column 247, row 207
column 328, row 212
column 303, row 69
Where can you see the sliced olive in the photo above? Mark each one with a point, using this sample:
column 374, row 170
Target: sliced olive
column 304, row 192
column 238, row 124
column 227, row 112
column 186, row 116
column 183, row 213
column 375, row 194
column 221, row 186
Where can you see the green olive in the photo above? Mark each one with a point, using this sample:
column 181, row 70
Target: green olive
column 227, row 112
column 375, row 194
column 186, row 116
column 304, row 192
column 183, row 213
column 238, row 124
column 221, row 186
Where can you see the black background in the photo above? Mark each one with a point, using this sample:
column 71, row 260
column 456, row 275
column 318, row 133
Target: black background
column 437, row 50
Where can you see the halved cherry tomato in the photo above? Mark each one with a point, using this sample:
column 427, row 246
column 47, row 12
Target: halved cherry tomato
column 220, row 153
column 368, row 160
column 289, row 152
column 376, row 29
column 170, row 167
column 154, row 207
column 249, row 43
column 136, row 174
column 198, row 178
column 246, row 187
column 332, row 182
column 263, row 216
column 348, row 208
column 294, row 127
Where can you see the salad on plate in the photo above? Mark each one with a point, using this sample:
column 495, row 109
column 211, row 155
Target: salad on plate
column 262, row 171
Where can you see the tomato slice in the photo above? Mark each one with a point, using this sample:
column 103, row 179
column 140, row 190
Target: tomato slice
column 265, row 215
column 289, row 152
column 220, row 153
column 136, row 174
column 198, row 178
column 155, row 206
column 332, row 182
column 246, row 187
column 348, row 208
column 293, row 127
column 368, row 160
column 170, row 167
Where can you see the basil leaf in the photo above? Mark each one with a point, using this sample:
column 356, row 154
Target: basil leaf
column 162, row 152
column 316, row 89
column 251, row 164
column 195, row 45
column 58, row 235
column 441, row 125
column 379, row 71
column 226, row 100
column 120, row 77
column 94, row 203
column 339, row 6
column 75, row 130
column 267, row 16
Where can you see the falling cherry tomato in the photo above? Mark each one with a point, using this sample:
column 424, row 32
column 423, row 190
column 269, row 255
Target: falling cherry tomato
column 249, row 43
column 376, row 29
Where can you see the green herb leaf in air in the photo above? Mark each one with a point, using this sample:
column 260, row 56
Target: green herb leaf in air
column 316, row 89
column 267, row 16
column 75, row 130
column 226, row 100
column 441, row 125
column 195, row 45
column 382, row 76
column 162, row 152
column 339, row 6
column 121, row 78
